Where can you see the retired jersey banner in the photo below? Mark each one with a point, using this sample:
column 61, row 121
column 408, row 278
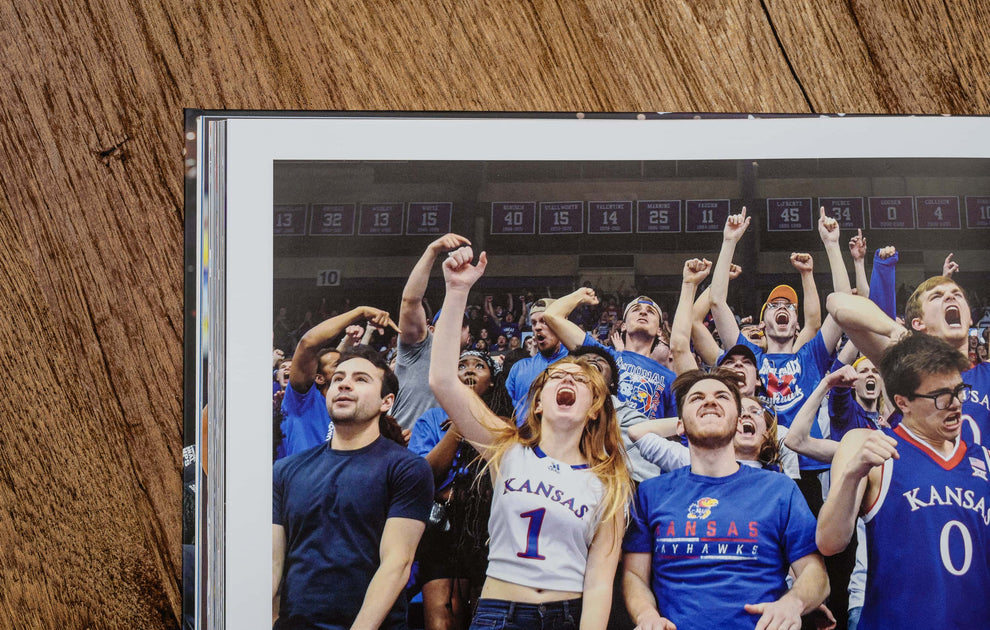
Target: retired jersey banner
column 892, row 213
column 562, row 217
column 381, row 219
column 658, row 216
column 513, row 217
column 610, row 217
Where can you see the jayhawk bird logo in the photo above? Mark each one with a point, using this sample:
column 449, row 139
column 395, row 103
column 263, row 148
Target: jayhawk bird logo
column 702, row 508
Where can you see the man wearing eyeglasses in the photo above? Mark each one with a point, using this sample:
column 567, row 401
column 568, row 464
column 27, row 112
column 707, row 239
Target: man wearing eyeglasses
column 924, row 495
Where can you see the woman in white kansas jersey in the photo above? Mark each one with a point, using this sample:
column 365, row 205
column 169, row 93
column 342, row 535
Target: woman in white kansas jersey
column 561, row 486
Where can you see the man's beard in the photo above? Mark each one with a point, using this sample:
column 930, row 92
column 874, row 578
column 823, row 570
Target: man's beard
column 709, row 442
column 351, row 419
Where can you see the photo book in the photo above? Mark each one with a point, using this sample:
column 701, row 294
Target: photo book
column 294, row 217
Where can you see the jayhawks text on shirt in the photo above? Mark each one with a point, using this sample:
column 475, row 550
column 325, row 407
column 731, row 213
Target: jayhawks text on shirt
column 717, row 541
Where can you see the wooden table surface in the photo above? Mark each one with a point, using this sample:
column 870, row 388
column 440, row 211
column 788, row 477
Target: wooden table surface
column 92, row 216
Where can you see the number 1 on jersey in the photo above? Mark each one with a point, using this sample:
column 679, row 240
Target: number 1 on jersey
column 533, row 534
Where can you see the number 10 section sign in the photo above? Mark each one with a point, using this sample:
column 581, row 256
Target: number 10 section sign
column 513, row 217
column 609, row 217
column 561, row 217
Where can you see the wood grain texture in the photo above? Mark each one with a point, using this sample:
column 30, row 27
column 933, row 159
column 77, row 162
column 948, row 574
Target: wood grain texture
column 91, row 214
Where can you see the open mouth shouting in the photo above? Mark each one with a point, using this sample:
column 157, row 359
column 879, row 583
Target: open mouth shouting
column 953, row 421
column 953, row 316
column 870, row 385
column 740, row 377
column 747, row 426
column 781, row 318
column 566, row 396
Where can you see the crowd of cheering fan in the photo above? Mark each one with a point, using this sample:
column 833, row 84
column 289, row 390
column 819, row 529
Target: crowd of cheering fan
column 593, row 460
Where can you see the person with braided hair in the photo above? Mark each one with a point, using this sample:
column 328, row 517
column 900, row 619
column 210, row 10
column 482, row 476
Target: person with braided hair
column 454, row 546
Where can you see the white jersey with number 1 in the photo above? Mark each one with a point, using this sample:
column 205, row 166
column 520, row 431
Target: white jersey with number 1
column 543, row 519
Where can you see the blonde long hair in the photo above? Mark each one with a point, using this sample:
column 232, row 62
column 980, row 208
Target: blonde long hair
column 601, row 441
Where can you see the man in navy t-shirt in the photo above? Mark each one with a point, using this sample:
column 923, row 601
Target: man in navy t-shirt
column 710, row 544
column 347, row 515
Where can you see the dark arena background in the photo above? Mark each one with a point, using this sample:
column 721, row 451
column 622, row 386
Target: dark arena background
column 348, row 233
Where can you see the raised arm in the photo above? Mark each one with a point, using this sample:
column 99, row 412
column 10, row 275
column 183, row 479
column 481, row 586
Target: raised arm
column 705, row 345
column 352, row 337
column 828, row 229
column 695, row 271
column 662, row 427
column 805, row 266
column 857, row 249
column 490, row 307
column 855, row 476
column 725, row 321
column 949, row 266
column 704, row 342
column 616, row 338
column 523, row 320
column 867, row 326
column 368, row 332
column 569, row 333
column 397, row 550
column 304, row 363
column 412, row 317
column 667, row 455
column 799, row 434
column 883, row 281
column 470, row 415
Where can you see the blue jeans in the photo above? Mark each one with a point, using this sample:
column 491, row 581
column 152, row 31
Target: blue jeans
column 497, row 614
